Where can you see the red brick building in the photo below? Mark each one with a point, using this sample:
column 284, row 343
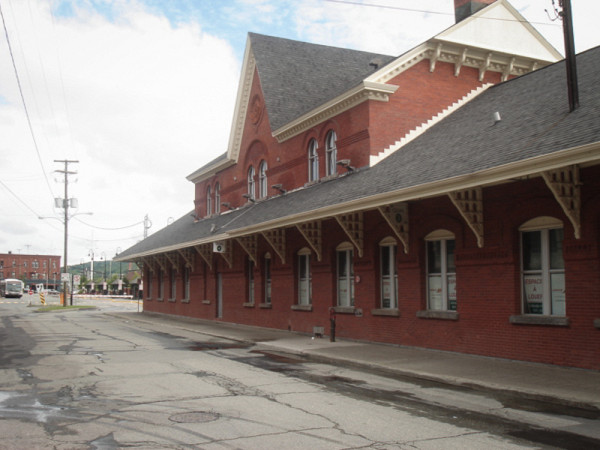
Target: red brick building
column 446, row 198
column 31, row 269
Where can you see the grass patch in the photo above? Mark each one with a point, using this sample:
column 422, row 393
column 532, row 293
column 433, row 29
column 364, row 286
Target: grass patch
column 63, row 308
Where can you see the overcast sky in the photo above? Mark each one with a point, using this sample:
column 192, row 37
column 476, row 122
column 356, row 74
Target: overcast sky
column 141, row 93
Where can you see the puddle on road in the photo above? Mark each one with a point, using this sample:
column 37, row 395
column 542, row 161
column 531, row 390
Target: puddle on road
column 205, row 346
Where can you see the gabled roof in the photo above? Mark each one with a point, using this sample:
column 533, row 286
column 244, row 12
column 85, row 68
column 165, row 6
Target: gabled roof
column 467, row 149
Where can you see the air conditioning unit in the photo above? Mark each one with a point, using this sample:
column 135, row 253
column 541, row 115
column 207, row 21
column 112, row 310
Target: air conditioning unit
column 219, row 247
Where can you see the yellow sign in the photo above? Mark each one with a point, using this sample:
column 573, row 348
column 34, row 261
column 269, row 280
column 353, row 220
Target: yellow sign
column 42, row 299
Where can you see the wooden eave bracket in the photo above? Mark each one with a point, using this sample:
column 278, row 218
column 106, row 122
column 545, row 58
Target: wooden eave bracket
column 174, row 260
column 188, row 256
column 485, row 66
column 140, row 263
column 396, row 216
column 276, row 239
column 352, row 224
column 436, row 55
column 566, row 187
column 227, row 255
column 312, row 233
column 469, row 203
column 508, row 69
column 460, row 62
column 161, row 260
column 250, row 246
column 205, row 253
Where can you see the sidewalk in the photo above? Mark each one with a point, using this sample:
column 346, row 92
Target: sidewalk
column 561, row 385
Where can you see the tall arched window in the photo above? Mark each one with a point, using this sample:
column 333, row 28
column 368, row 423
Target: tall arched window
column 217, row 198
column 389, row 273
column 304, row 277
column 345, row 274
column 208, row 202
column 251, row 183
column 331, row 153
column 262, row 179
column 441, row 271
column 313, row 161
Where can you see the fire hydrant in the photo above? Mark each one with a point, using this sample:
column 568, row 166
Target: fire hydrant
column 332, row 324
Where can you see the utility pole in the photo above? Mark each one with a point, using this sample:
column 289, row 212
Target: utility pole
column 147, row 225
column 65, row 205
column 567, row 20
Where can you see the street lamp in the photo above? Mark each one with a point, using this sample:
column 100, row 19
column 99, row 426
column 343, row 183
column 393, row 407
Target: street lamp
column 103, row 257
column 120, row 275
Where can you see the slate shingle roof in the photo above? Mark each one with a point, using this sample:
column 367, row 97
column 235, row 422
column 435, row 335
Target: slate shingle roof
column 535, row 122
column 297, row 77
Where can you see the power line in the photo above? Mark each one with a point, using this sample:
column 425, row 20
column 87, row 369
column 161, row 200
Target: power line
column 18, row 198
column 12, row 58
column 109, row 229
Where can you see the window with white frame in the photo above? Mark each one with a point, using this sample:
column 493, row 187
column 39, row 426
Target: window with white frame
column 345, row 274
column 389, row 274
column 208, row 202
column 304, row 278
column 267, row 274
column 262, row 180
column 543, row 267
column 251, row 182
column 313, row 161
column 173, row 284
column 186, row 283
column 149, row 283
column 250, row 281
column 331, row 153
column 441, row 271
column 217, row 198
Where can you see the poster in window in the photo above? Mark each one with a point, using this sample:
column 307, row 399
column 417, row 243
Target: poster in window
column 452, row 292
column 558, row 294
column 534, row 293
column 303, row 300
column 435, row 292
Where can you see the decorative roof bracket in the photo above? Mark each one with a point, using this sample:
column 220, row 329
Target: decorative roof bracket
column 352, row 224
column 188, row 256
column 508, row 69
column 228, row 253
column 161, row 260
column 485, row 65
column 396, row 216
column 276, row 239
column 205, row 253
column 435, row 56
column 250, row 246
column 566, row 187
column 469, row 203
column 312, row 233
column 174, row 260
column 460, row 62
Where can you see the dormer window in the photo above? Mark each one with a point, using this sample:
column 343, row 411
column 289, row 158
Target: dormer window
column 262, row 180
column 208, row 202
column 331, row 153
column 313, row 161
column 251, row 183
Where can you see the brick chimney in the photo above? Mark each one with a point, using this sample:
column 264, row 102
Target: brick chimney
column 464, row 8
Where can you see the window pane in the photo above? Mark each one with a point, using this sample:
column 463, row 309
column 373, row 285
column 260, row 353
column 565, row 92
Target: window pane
column 435, row 292
column 434, row 258
column 532, row 250
column 556, row 254
column 385, row 260
column 452, row 292
column 342, row 264
column 557, row 281
column 450, row 267
column 533, row 285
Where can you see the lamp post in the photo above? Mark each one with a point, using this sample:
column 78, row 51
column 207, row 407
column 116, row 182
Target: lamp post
column 120, row 285
column 103, row 257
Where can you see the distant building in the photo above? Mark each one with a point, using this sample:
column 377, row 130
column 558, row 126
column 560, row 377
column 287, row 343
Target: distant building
column 32, row 269
column 445, row 198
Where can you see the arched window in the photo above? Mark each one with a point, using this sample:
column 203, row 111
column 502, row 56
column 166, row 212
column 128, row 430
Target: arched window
column 267, row 278
column 543, row 267
column 217, row 198
column 208, row 202
column 262, row 179
column 441, row 271
column 389, row 273
column 345, row 274
column 313, row 161
column 251, row 183
column 331, row 153
column 304, row 277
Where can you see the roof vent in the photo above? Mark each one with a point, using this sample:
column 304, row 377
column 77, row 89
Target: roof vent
column 497, row 117
column 376, row 63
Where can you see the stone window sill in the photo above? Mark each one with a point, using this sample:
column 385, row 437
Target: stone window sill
column 344, row 309
column 265, row 305
column 392, row 312
column 440, row 315
column 185, row 300
column 530, row 319
column 172, row 300
column 206, row 302
column 160, row 299
column 301, row 307
column 249, row 305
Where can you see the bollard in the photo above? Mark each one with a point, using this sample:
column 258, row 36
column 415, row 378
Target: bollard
column 332, row 324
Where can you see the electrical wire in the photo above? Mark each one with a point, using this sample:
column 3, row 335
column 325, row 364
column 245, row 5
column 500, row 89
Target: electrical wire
column 109, row 229
column 18, row 198
column 12, row 58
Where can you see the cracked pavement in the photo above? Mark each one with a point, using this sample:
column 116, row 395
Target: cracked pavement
column 87, row 380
